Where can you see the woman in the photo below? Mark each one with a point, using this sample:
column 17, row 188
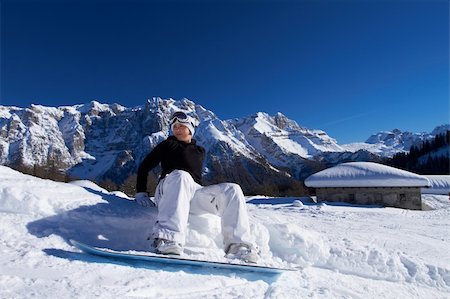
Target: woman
column 179, row 192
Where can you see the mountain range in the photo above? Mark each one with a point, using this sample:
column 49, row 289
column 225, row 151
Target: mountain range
column 107, row 142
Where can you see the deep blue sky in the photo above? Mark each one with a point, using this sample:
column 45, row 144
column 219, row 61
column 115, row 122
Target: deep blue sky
column 351, row 68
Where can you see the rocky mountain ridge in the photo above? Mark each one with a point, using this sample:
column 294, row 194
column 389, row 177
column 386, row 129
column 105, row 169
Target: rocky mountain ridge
column 107, row 141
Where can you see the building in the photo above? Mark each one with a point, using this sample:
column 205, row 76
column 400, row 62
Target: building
column 369, row 183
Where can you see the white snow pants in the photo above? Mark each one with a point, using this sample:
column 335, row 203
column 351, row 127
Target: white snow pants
column 178, row 194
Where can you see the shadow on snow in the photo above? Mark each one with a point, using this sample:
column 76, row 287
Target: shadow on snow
column 155, row 266
column 118, row 224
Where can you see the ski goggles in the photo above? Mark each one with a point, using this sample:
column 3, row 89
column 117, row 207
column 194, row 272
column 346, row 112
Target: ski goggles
column 183, row 118
column 180, row 117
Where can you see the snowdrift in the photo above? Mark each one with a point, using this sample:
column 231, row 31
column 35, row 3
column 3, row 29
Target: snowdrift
column 346, row 251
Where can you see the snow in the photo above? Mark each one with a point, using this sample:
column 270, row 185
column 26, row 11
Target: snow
column 377, row 148
column 88, row 185
column 439, row 184
column 285, row 137
column 95, row 106
column 346, row 251
column 365, row 174
column 389, row 143
column 5, row 111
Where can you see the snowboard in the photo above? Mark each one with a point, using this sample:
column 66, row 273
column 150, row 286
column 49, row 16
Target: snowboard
column 179, row 261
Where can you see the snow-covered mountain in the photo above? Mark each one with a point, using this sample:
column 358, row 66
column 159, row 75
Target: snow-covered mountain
column 388, row 143
column 102, row 141
column 284, row 143
column 98, row 141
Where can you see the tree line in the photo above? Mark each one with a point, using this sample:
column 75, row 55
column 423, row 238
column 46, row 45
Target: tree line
column 424, row 158
column 267, row 187
column 420, row 159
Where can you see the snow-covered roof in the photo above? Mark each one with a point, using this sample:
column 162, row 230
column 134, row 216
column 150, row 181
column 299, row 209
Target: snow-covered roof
column 439, row 184
column 365, row 174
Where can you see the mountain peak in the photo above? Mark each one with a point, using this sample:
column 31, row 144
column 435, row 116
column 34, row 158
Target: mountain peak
column 107, row 141
column 94, row 108
column 284, row 123
column 441, row 129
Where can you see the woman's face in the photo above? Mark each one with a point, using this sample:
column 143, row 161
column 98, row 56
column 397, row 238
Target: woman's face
column 182, row 133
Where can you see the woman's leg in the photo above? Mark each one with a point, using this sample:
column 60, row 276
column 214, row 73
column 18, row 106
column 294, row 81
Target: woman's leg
column 173, row 196
column 227, row 201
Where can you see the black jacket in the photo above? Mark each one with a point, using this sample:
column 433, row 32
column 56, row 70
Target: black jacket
column 172, row 154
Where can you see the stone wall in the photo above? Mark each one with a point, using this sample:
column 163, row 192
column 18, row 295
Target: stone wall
column 399, row 197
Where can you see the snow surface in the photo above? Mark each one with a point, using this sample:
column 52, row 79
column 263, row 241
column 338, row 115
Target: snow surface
column 365, row 174
column 346, row 251
column 439, row 184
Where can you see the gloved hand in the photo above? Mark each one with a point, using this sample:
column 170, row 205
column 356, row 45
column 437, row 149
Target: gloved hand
column 143, row 199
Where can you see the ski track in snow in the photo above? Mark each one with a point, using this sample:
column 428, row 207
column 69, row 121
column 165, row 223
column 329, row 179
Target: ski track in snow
column 346, row 251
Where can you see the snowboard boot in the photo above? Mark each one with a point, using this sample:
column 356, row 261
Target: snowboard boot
column 243, row 252
column 164, row 246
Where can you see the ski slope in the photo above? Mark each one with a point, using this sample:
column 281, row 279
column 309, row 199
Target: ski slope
column 347, row 251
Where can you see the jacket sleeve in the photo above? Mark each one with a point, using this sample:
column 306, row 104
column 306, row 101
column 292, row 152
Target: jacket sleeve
column 149, row 162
